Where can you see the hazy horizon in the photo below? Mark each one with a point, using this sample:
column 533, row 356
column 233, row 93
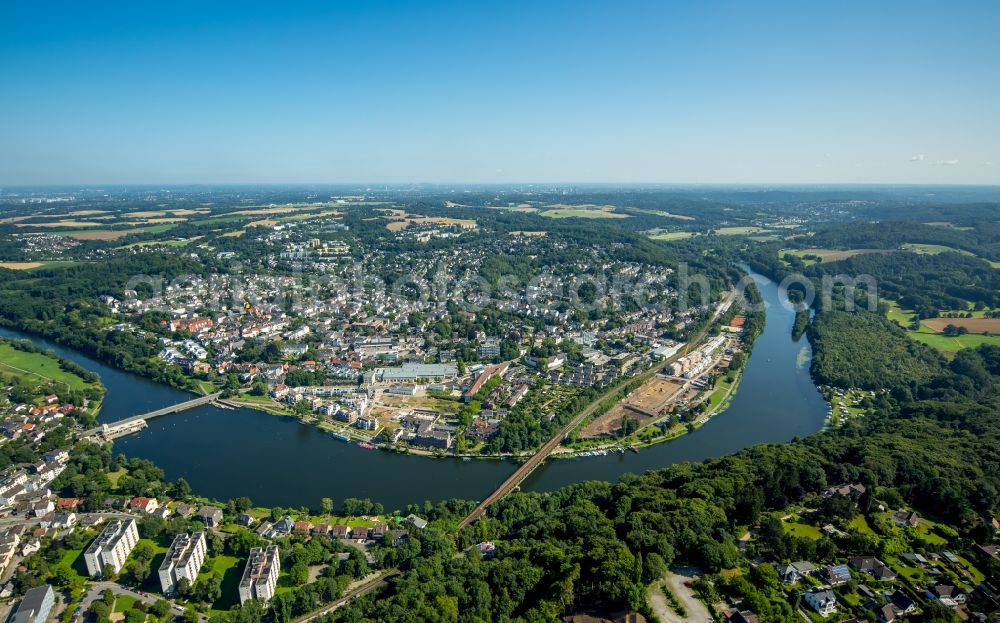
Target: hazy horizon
column 777, row 93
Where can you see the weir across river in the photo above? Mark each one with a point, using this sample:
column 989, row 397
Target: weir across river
column 138, row 422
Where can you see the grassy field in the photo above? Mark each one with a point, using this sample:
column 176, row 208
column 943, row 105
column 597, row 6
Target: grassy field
column 37, row 366
column 951, row 345
column 802, row 530
column 673, row 235
column 934, row 249
column 719, row 394
column 947, row 345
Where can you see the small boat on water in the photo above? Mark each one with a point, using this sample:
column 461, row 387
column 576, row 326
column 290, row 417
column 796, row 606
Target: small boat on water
column 366, row 446
column 340, row 436
column 634, row 449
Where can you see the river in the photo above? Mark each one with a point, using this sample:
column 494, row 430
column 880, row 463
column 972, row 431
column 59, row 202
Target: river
column 280, row 461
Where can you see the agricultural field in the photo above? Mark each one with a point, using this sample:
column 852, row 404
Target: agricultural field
column 34, row 265
column 64, row 223
column 740, row 231
column 401, row 219
column 586, row 210
column 827, row 255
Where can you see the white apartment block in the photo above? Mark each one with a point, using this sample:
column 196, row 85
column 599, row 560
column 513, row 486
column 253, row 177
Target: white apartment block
column 260, row 577
column 183, row 561
column 106, row 555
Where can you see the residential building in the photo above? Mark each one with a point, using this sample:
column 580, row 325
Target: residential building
column 211, row 515
column 183, row 561
column 823, row 601
column 489, row 349
column 10, row 539
column 106, row 555
column 260, row 576
column 35, row 606
column 906, row 519
column 837, row 575
column 873, row 567
column 143, row 504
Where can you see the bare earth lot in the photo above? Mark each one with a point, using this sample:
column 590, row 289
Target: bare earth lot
column 696, row 610
column 654, row 395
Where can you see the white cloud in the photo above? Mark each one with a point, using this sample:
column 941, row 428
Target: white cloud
column 918, row 158
column 946, row 163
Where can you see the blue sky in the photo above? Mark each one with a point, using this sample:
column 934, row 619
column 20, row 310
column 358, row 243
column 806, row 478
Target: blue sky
column 694, row 92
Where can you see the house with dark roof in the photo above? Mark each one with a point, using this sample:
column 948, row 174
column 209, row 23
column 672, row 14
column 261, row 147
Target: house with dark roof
column 836, row 575
column 906, row 519
column 901, row 603
column 873, row 567
column 210, row 515
column 822, row 600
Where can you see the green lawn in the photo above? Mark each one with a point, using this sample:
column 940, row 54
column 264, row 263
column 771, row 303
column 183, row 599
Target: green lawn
column 718, row 394
column 860, row 524
column 930, row 532
column 73, row 560
column 123, row 603
column 37, row 366
column 231, row 568
column 803, row 530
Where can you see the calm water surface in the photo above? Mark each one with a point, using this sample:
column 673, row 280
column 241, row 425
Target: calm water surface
column 279, row 461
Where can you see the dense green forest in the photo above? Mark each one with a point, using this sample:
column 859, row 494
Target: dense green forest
column 982, row 239
column 863, row 349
